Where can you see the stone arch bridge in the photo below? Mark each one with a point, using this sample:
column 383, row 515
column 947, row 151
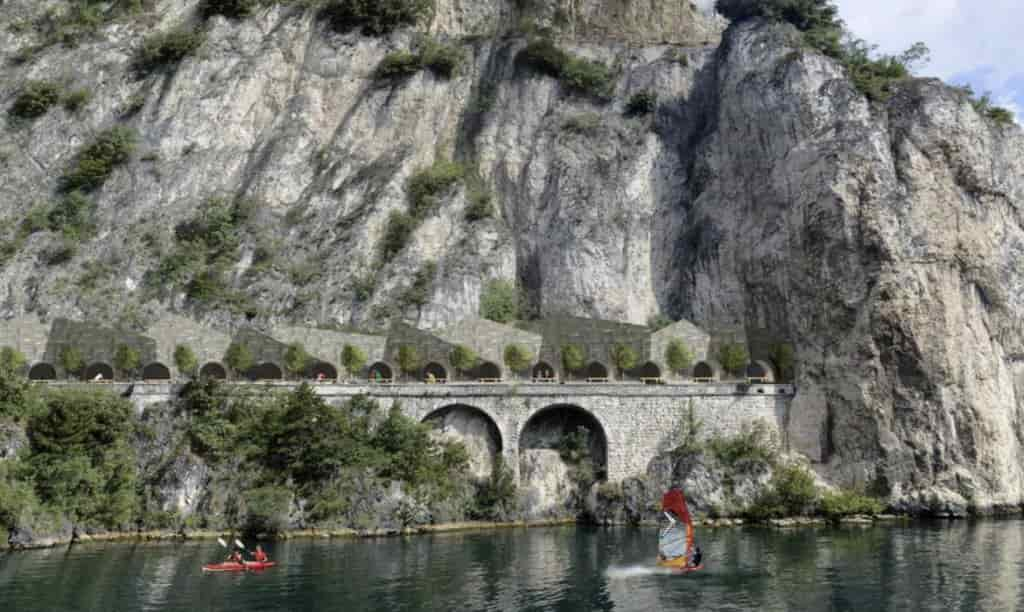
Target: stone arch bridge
column 630, row 424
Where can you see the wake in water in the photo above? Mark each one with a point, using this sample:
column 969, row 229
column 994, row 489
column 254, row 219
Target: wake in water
column 636, row 571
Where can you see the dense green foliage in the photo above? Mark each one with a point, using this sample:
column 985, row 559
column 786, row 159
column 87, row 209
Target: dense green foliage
column 35, row 99
column 480, row 202
column 374, row 17
column 517, row 357
column 19, row 400
column 573, row 358
column 822, row 29
column 500, row 301
column 185, row 360
column 496, row 497
column 94, row 164
column 753, row 445
column 352, row 359
column 642, row 103
column 398, row 65
column 463, row 358
column 81, row 460
column 578, row 74
column 678, row 356
column 845, row 503
column 733, row 357
column 623, row 357
column 72, row 217
column 76, row 99
column 166, row 49
column 418, row 294
column 791, row 492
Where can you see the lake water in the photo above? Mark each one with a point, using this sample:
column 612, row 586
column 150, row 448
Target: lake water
column 941, row 566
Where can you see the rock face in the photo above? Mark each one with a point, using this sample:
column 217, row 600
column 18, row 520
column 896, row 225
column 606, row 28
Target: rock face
column 764, row 195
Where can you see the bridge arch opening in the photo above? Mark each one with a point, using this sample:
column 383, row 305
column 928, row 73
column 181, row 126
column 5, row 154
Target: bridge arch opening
column 475, row 429
column 98, row 371
column 42, row 371
column 566, row 433
column 761, row 371
column 380, row 371
column 707, row 371
column 265, row 371
column 596, row 369
column 213, row 370
column 322, row 368
column 488, row 369
column 647, row 370
column 543, row 370
column 156, row 371
column 435, row 370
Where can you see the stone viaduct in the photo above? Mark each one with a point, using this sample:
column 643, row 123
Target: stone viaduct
column 629, row 424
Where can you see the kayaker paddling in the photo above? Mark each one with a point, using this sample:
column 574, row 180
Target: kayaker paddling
column 259, row 556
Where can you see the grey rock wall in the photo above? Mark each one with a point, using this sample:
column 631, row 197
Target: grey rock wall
column 766, row 198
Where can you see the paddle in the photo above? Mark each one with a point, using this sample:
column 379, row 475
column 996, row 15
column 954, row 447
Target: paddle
column 222, row 542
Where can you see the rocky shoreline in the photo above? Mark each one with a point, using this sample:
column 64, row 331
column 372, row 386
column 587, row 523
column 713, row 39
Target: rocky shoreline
column 861, row 520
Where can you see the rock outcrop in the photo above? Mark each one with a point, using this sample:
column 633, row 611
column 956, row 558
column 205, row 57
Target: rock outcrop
column 765, row 194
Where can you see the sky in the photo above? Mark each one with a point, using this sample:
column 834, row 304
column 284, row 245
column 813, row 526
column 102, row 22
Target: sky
column 974, row 42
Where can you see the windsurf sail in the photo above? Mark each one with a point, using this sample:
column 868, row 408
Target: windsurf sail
column 675, row 544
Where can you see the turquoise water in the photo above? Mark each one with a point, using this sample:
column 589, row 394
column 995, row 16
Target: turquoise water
column 942, row 566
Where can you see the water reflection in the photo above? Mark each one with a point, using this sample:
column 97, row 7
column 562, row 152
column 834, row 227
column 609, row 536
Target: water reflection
column 963, row 566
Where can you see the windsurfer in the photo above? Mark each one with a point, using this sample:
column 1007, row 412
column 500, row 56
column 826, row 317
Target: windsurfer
column 697, row 556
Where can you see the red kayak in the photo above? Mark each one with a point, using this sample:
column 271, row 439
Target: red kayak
column 232, row 566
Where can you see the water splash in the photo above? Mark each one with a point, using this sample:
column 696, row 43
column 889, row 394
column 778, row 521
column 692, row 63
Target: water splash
column 636, row 571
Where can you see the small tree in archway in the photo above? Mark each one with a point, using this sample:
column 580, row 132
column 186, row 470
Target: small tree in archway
column 733, row 358
column 296, row 359
column 463, row 358
column 71, row 360
column 126, row 359
column 239, row 357
column 573, row 358
column 517, row 358
column 678, row 356
column 409, row 359
column 624, row 358
column 185, row 360
column 353, row 359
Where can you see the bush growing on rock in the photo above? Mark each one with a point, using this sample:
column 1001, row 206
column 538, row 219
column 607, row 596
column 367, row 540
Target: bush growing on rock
column 35, row 99
column 838, row 504
column 500, row 301
column 517, row 357
column 678, row 356
column 642, row 103
column 573, row 358
column 75, row 100
column 442, row 59
column 126, row 359
column 398, row 65
column 94, row 164
column 397, row 232
column 409, row 359
column 578, row 74
column 374, row 17
column 166, row 49
column 791, row 492
column 12, row 362
column 239, row 357
column 266, row 510
column 623, row 357
column 427, row 185
column 463, row 358
column 235, row 9
column 296, row 359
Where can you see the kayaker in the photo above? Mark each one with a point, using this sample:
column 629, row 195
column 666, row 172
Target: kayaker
column 235, row 557
column 259, row 556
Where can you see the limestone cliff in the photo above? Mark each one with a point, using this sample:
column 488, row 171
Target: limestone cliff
column 764, row 195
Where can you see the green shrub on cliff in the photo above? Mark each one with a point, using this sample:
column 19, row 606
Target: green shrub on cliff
column 838, row 504
column 95, row 163
column 235, row 9
column 166, row 49
column 580, row 75
column 374, row 17
column 500, row 301
column 35, row 99
column 427, row 185
column 19, row 398
column 790, row 492
column 12, row 362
